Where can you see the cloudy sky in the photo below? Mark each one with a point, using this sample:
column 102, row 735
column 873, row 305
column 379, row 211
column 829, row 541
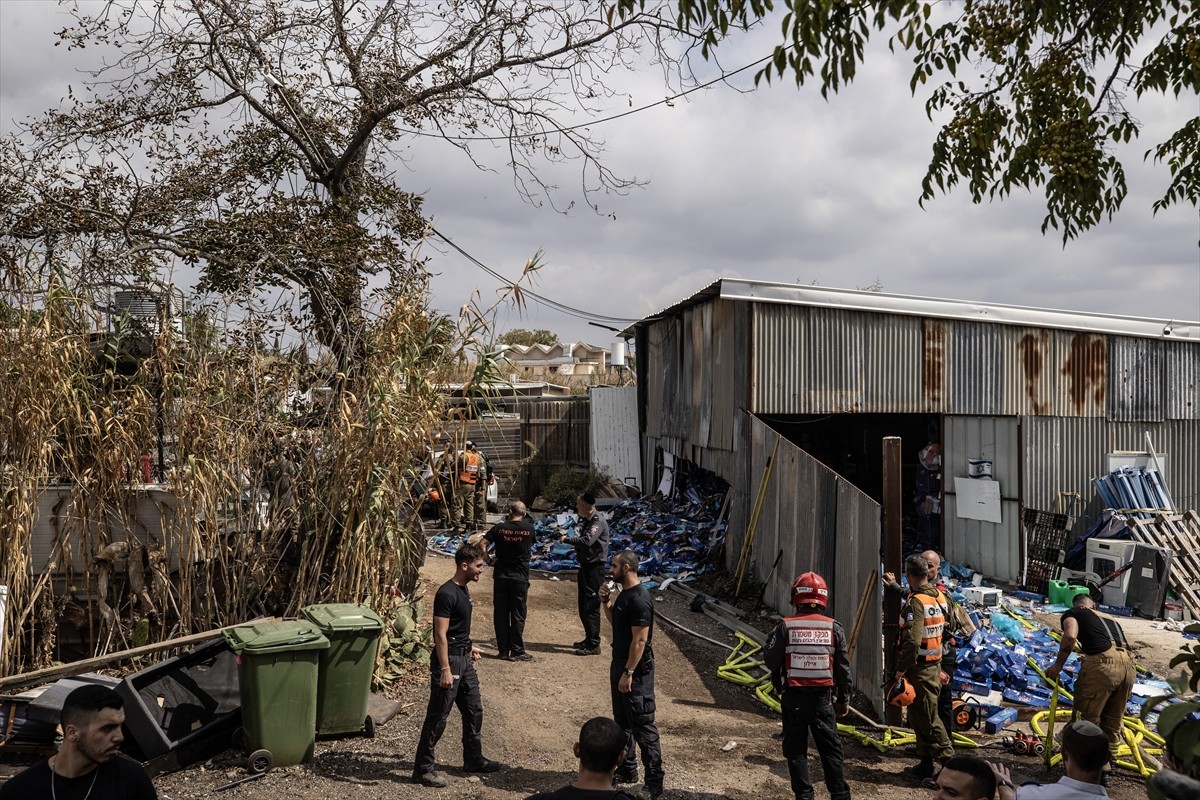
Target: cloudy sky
column 773, row 184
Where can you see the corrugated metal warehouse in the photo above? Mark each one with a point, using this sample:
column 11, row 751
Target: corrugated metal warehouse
column 1043, row 395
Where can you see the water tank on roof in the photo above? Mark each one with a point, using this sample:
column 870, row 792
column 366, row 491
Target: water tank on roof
column 616, row 357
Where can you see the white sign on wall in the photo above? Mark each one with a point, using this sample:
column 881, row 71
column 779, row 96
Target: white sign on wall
column 978, row 499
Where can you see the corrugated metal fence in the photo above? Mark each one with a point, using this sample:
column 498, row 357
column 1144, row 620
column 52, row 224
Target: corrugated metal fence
column 614, row 432
column 819, row 522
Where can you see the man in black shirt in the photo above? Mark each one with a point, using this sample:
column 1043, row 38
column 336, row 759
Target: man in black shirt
column 600, row 750
column 89, row 764
column 512, row 541
column 1106, row 671
column 591, row 550
column 631, row 673
column 453, row 679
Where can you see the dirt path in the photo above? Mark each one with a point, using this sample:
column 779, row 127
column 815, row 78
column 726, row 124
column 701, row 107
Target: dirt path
column 533, row 711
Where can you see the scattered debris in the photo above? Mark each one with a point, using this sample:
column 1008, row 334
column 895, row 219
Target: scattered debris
column 673, row 537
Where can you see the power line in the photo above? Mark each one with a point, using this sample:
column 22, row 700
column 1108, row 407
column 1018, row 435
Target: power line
column 540, row 299
column 666, row 101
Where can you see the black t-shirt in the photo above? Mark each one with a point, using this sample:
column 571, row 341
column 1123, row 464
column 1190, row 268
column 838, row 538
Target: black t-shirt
column 571, row 793
column 119, row 778
column 453, row 602
column 514, row 542
column 633, row 608
column 1096, row 634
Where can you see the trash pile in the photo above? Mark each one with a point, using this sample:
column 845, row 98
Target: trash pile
column 1001, row 664
column 672, row 536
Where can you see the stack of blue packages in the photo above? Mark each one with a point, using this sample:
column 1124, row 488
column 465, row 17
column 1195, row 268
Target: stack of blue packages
column 990, row 662
column 672, row 537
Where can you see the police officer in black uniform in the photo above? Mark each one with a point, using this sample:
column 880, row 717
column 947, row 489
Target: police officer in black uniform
column 631, row 673
column 591, row 550
column 807, row 657
column 513, row 541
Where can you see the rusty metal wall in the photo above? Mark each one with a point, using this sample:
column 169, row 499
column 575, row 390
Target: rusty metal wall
column 811, row 519
column 815, row 360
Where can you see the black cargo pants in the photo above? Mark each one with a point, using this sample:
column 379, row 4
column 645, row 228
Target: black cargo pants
column 464, row 693
column 634, row 712
column 805, row 712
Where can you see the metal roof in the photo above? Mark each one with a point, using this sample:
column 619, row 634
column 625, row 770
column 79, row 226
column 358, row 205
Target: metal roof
column 910, row 305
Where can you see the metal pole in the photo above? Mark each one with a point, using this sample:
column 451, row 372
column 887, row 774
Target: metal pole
column 892, row 512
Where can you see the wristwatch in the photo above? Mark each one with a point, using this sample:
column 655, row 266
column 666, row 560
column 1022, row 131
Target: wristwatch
column 1006, row 785
column 629, row 672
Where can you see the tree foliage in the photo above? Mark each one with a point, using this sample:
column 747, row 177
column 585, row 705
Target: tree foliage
column 526, row 338
column 259, row 140
column 1032, row 93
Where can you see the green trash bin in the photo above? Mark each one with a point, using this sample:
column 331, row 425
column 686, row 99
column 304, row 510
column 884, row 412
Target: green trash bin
column 344, row 679
column 277, row 672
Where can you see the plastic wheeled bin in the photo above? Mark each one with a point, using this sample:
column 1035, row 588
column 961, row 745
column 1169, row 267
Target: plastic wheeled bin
column 277, row 675
column 344, row 677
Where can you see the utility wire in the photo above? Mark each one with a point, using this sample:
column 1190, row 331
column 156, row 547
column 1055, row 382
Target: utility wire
column 546, row 301
column 541, row 299
column 666, row 101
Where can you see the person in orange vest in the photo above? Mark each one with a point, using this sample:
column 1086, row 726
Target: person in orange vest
column 470, row 467
column 810, row 667
column 920, row 662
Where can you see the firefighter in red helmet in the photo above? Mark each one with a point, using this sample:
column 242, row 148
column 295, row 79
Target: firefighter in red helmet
column 806, row 654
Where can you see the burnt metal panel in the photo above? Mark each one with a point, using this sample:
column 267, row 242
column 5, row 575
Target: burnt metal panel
column 935, row 365
column 1135, row 380
column 723, row 387
column 976, row 377
column 652, row 366
column 1084, row 370
column 702, row 373
column 1182, row 374
column 1029, row 371
column 1053, row 373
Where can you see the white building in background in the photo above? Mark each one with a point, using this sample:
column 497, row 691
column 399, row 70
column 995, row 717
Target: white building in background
column 562, row 358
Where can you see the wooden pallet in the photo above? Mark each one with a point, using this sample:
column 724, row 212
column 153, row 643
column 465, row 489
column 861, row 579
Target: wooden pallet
column 1179, row 533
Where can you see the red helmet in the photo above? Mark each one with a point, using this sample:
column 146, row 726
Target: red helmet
column 810, row 589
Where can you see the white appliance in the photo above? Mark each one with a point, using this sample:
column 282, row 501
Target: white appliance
column 1106, row 556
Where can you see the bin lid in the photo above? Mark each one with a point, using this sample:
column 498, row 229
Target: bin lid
column 275, row 636
column 342, row 617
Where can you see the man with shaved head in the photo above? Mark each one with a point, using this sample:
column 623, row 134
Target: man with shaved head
column 945, row 705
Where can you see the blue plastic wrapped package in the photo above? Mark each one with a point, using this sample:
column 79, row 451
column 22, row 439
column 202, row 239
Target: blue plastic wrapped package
column 1007, row 627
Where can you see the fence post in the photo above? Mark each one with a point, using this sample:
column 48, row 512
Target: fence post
column 892, row 512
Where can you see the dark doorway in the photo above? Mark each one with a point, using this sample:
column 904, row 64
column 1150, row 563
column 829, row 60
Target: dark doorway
column 850, row 444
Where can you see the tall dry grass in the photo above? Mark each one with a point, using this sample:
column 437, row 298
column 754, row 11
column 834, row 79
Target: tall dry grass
column 267, row 507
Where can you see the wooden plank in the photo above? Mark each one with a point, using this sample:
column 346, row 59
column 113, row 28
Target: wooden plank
column 86, row 665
